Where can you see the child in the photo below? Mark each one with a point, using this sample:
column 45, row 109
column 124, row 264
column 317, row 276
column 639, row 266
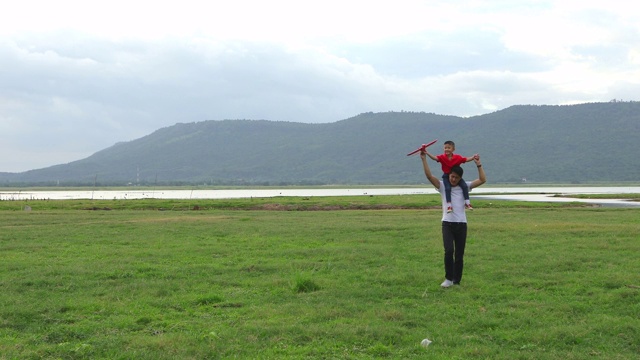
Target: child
column 447, row 161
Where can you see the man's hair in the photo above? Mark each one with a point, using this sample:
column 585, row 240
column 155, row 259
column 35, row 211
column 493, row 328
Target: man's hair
column 458, row 170
column 449, row 142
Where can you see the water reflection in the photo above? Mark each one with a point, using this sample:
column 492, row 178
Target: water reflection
column 555, row 198
column 547, row 194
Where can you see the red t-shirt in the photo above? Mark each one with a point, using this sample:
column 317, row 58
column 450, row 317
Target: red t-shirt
column 447, row 163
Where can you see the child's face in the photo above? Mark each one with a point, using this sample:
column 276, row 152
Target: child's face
column 449, row 149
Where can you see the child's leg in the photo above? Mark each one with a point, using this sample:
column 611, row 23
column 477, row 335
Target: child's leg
column 465, row 192
column 447, row 188
column 465, row 189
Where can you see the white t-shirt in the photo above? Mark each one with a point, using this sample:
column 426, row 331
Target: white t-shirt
column 457, row 204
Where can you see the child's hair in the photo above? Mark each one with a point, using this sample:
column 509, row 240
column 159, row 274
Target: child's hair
column 449, row 142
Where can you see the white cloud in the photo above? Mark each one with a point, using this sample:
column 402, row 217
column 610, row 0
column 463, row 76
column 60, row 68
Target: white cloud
column 77, row 76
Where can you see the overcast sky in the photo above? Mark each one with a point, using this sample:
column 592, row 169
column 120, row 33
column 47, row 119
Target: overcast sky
column 79, row 76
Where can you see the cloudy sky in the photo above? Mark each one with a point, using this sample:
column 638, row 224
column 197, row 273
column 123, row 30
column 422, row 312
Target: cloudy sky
column 79, row 76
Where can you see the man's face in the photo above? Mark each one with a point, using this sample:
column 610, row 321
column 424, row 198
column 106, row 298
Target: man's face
column 454, row 178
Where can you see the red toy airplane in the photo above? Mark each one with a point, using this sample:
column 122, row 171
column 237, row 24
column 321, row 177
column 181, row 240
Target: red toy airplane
column 423, row 147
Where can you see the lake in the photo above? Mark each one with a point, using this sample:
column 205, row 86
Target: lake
column 547, row 194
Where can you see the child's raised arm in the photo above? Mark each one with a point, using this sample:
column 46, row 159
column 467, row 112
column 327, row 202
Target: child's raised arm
column 471, row 158
column 434, row 158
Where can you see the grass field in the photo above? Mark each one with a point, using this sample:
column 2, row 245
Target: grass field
column 330, row 278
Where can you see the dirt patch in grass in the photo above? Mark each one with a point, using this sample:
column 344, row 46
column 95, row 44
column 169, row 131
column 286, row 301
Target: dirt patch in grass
column 285, row 207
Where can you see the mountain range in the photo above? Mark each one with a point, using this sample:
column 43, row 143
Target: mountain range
column 573, row 144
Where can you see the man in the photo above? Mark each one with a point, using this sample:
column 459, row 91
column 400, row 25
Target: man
column 454, row 224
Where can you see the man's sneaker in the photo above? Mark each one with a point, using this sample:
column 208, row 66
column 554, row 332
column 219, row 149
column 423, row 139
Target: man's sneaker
column 449, row 210
column 446, row 283
column 468, row 206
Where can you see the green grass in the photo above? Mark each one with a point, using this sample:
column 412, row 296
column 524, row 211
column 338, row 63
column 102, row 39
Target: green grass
column 154, row 279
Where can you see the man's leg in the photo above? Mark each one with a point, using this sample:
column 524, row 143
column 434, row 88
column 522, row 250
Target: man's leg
column 448, row 242
column 460, row 242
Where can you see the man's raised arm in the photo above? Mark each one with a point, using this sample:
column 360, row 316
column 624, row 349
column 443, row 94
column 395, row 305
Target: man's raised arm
column 434, row 180
column 482, row 178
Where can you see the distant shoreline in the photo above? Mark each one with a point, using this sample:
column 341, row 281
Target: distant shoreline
column 540, row 193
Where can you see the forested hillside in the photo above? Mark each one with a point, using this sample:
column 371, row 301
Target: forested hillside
column 563, row 144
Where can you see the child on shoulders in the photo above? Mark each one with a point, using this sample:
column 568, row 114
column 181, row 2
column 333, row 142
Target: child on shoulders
column 448, row 160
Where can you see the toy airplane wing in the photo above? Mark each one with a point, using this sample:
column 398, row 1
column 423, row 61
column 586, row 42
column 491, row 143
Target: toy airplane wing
column 421, row 148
